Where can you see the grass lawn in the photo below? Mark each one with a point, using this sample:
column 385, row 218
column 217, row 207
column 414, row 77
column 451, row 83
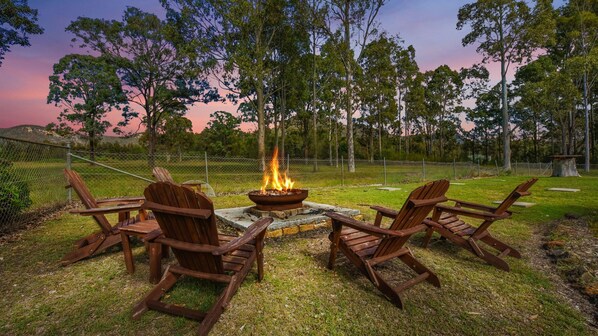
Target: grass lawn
column 299, row 296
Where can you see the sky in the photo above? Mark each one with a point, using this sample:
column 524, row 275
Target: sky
column 429, row 25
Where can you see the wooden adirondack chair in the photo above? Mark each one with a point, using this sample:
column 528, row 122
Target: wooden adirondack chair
column 446, row 221
column 189, row 228
column 367, row 245
column 109, row 234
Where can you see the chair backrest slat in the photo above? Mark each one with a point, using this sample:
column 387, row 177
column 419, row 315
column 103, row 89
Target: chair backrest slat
column 76, row 182
column 184, row 228
column 514, row 195
column 162, row 175
column 411, row 215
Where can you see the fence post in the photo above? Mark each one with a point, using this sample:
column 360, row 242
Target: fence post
column 479, row 169
column 424, row 168
column 454, row 170
column 68, row 166
column 342, row 171
column 384, row 162
column 288, row 163
column 515, row 169
column 206, row 163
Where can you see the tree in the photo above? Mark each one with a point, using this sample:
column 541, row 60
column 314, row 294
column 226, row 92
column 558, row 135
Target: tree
column 508, row 32
column 577, row 30
column 351, row 17
column 378, row 87
column 406, row 69
column 87, row 88
column 239, row 37
column 17, row 22
column 222, row 133
column 176, row 134
column 160, row 75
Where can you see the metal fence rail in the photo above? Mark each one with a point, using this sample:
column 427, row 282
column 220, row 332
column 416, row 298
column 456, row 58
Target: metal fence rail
column 35, row 170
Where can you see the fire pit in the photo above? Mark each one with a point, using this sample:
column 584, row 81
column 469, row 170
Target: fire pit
column 274, row 200
column 277, row 193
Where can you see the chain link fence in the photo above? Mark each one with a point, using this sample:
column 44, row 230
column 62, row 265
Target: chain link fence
column 31, row 178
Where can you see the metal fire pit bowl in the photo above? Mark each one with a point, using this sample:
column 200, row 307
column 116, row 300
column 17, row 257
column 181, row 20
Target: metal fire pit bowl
column 272, row 201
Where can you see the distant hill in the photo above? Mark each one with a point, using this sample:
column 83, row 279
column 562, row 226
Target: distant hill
column 39, row 134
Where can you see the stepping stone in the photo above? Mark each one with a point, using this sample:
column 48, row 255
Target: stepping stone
column 389, row 189
column 519, row 204
column 457, row 183
column 563, row 189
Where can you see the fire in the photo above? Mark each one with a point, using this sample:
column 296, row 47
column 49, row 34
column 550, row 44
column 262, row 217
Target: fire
column 277, row 181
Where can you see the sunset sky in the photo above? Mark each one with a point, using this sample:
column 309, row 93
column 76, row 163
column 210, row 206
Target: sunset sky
column 429, row 25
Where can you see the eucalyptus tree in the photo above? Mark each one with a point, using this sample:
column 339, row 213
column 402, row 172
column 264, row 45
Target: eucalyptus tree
column 86, row 88
column 443, row 94
column 176, row 134
column 486, row 118
column 354, row 19
column 508, row 31
column 239, row 37
column 406, row 68
column 577, row 32
column 378, row 85
column 415, row 108
column 17, row 22
column 159, row 76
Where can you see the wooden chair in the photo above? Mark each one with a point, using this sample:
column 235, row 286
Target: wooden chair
column 367, row 245
column 163, row 175
column 189, row 228
column 446, row 221
column 109, row 235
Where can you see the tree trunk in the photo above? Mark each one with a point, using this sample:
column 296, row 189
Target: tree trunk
column 506, row 137
column 349, row 88
column 261, row 127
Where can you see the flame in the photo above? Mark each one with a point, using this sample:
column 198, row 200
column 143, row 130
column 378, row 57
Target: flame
column 277, row 181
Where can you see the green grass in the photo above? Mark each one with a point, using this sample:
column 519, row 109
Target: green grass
column 299, row 295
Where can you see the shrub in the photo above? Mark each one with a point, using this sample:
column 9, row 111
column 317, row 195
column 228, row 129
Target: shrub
column 14, row 195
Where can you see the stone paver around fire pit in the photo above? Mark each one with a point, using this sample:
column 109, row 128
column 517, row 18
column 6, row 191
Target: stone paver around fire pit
column 310, row 217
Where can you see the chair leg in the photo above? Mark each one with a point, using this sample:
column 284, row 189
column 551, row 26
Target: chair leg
column 387, row 290
column 155, row 262
column 334, row 243
column 427, row 237
column 160, row 289
column 128, row 254
column 101, row 244
column 259, row 247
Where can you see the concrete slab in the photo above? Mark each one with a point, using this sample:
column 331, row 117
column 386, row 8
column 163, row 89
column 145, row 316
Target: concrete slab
column 519, row 204
column 313, row 213
column 457, row 183
column 563, row 189
column 389, row 189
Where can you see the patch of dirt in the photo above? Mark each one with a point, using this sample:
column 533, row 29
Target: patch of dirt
column 566, row 251
column 41, row 217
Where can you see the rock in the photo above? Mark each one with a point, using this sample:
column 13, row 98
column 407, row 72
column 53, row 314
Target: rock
column 553, row 244
column 591, row 290
column 557, row 254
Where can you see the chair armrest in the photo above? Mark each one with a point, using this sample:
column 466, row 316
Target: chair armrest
column 121, row 200
column 424, row 202
column 472, row 205
column 362, row 226
column 468, row 213
column 252, row 232
column 386, row 212
column 193, row 183
column 152, row 235
column 197, row 213
column 107, row 210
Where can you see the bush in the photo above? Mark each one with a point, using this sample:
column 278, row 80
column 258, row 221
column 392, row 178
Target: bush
column 14, row 195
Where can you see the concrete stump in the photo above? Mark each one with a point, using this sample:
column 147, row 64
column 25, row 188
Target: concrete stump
column 564, row 165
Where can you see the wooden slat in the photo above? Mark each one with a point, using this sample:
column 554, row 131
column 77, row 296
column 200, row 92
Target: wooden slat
column 411, row 282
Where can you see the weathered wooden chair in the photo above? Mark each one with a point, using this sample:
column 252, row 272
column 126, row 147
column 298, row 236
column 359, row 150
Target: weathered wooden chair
column 109, row 235
column 189, row 228
column 367, row 245
column 446, row 221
